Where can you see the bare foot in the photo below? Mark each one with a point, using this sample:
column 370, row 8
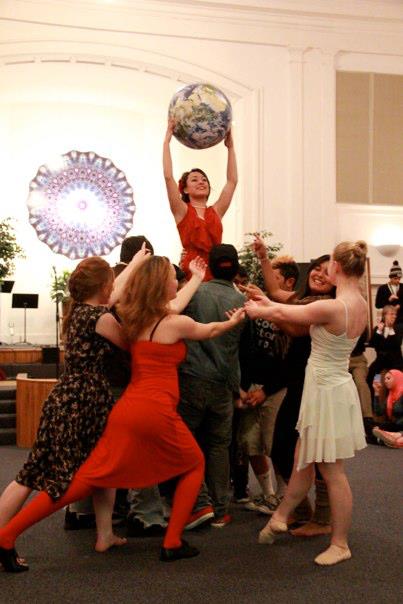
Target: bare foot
column 105, row 542
column 311, row 529
column 333, row 555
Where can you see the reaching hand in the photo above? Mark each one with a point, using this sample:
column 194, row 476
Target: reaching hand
column 259, row 247
column 253, row 308
column 228, row 140
column 170, row 129
column 141, row 255
column 251, row 291
column 263, row 300
column 236, row 315
column 198, row 267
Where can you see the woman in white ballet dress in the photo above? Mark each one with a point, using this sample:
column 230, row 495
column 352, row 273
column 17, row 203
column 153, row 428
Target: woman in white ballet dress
column 330, row 422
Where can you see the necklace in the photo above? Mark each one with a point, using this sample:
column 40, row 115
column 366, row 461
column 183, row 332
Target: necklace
column 199, row 207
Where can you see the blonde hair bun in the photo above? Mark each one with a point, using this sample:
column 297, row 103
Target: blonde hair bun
column 361, row 247
column 351, row 257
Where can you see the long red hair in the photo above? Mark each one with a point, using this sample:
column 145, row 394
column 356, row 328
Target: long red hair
column 146, row 297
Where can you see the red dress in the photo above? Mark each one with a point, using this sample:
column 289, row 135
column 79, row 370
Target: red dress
column 198, row 236
column 145, row 441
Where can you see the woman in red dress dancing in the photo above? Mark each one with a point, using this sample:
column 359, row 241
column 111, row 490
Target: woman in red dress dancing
column 199, row 225
column 145, row 441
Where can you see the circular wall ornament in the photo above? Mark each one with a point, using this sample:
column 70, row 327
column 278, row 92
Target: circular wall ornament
column 81, row 206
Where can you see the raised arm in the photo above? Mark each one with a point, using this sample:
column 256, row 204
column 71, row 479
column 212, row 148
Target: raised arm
column 272, row 287
column 198, row 269
column 177, row 205
column 122, row 279
column 223, row 202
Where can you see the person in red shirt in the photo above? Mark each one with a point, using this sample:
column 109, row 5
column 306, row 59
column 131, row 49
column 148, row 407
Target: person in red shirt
column 199, row 225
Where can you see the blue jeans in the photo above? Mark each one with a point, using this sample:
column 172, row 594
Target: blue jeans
column 146, row 506
column 207, row 408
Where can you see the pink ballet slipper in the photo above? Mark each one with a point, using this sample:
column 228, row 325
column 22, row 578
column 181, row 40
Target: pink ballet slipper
column 273, row 528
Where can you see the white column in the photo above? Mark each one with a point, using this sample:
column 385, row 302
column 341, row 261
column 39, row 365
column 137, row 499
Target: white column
column 328, row 172
column 295, row 138
column 319, row 155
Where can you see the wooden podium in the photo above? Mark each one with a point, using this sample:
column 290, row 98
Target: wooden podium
column 31, row 393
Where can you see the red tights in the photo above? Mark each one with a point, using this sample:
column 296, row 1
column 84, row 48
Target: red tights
column 42, row 506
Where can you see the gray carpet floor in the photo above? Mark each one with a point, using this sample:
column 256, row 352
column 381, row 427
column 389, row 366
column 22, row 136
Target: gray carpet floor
column 232, row 567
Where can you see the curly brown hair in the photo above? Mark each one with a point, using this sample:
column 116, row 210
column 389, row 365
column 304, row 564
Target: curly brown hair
column 88, row 278
column 145, row 298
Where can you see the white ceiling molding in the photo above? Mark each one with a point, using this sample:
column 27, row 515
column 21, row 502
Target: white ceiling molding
column 284, row 23
column 156, row 64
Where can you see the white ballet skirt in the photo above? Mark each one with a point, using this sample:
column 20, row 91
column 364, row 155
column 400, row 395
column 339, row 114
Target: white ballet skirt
column 330, row 421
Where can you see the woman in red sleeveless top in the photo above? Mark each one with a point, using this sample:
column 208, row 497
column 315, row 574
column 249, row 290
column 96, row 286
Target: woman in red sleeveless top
column 199, row 225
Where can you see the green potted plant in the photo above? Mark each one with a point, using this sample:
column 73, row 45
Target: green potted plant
column 248, row 259
column 58, row 290
column 9, row 248
column 59, row 293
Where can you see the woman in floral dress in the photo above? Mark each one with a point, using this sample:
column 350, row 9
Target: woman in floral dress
column 75, row 413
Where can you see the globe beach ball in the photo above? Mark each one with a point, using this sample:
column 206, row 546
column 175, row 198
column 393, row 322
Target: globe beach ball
column 202, row 115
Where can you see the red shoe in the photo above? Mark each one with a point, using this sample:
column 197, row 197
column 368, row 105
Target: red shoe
column 222, row 521
column 199, row 517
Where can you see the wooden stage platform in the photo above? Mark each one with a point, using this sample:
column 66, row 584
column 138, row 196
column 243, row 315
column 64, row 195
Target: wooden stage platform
column 24, row 355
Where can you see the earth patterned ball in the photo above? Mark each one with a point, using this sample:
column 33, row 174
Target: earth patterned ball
column 202, row 115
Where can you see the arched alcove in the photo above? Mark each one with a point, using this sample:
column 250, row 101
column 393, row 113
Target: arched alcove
column 116, row 105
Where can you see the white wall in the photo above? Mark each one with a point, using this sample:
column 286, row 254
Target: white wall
column 103, row 82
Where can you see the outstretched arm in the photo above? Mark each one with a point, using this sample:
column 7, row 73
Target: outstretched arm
column 122, row 279
column 191, row 330
column 317, row 313
column 198, row 269
column 178, row 206
column 223, row 202
column 272, row 287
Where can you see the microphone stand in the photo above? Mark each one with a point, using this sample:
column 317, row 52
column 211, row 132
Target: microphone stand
column 57, row 299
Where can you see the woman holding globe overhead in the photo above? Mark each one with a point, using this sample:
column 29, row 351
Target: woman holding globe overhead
column 199, row 225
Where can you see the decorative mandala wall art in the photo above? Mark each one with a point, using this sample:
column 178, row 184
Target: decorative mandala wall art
column 82, row 207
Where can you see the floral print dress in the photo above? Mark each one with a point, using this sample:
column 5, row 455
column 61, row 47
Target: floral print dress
column 75, row 413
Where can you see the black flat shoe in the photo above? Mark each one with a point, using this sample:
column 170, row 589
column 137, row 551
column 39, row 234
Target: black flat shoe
column 10, row 562
column 76, row 522
column 135, row 528
column 170, row 554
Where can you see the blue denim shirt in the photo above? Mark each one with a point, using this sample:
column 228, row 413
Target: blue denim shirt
column 217, row 359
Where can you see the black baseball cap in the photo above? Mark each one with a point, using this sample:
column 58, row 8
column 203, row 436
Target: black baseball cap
column 223, row 261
